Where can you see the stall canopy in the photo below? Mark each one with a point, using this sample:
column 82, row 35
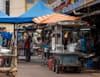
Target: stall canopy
column 4, row 17
column 39, row 9
column 53, row 18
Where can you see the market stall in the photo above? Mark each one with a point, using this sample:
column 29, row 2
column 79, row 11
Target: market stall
column 39, row 9
column 8, row 52
column 63, row 46
column 62, row 33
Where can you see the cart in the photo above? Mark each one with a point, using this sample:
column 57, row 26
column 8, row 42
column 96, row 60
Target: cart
column 9, row 63
column 62, row 57
column 66, row 62
column 8, row 58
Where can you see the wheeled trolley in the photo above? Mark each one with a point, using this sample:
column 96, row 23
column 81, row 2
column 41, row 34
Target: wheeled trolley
column 8, row 63
column 66, row 61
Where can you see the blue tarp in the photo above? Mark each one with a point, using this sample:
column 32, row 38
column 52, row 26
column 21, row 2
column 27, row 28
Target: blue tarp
column 15, row 20
column 4, row 17
column 39, row 9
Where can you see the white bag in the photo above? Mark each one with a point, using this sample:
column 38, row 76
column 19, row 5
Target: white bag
column 71, row 47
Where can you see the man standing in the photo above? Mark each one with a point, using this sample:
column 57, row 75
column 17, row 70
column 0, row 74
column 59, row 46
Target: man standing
column 27, row 48
column 82, row 43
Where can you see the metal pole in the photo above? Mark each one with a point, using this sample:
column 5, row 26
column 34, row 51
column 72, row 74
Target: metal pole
column 25, row 5
column 15, row 45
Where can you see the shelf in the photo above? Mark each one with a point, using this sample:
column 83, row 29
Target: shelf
column 8, row 68
column 8, row 55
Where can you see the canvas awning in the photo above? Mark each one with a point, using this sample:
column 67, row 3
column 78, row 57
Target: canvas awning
column 39, row 9
column 53, row 18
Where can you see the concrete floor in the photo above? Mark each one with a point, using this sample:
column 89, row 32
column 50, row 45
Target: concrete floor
column 34, row 70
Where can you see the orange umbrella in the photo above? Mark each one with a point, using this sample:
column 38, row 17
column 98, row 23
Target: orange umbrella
column 53, row 18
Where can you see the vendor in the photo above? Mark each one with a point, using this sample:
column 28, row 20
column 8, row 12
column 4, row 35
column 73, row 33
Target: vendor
column 27, row 48
column 82, row 43
column 46, row 50
column 6, row 37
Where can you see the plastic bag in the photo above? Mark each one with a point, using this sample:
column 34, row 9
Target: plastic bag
column 71, row 47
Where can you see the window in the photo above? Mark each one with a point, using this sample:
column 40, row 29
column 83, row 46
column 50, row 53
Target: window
column 7, row 7
column 30, row 1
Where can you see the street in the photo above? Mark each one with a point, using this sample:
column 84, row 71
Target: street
column 37, row 69
column 34, row 70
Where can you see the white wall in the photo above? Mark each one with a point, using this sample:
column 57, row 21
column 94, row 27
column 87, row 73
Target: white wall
column 2, row 6
column 9, row 27
column 17, row 7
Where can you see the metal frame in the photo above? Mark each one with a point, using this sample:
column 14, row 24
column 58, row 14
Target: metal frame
column 12, row 70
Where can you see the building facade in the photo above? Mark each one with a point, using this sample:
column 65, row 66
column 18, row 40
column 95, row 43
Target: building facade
column 88, row 10
column 74, row 4
column 15, row 7
column 3, row 5
column 57, row 5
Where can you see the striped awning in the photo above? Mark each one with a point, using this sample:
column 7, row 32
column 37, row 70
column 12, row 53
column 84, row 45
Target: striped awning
column 42, row 18
column 53, row 18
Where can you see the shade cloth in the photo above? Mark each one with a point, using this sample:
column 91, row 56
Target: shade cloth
column 53, row 18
